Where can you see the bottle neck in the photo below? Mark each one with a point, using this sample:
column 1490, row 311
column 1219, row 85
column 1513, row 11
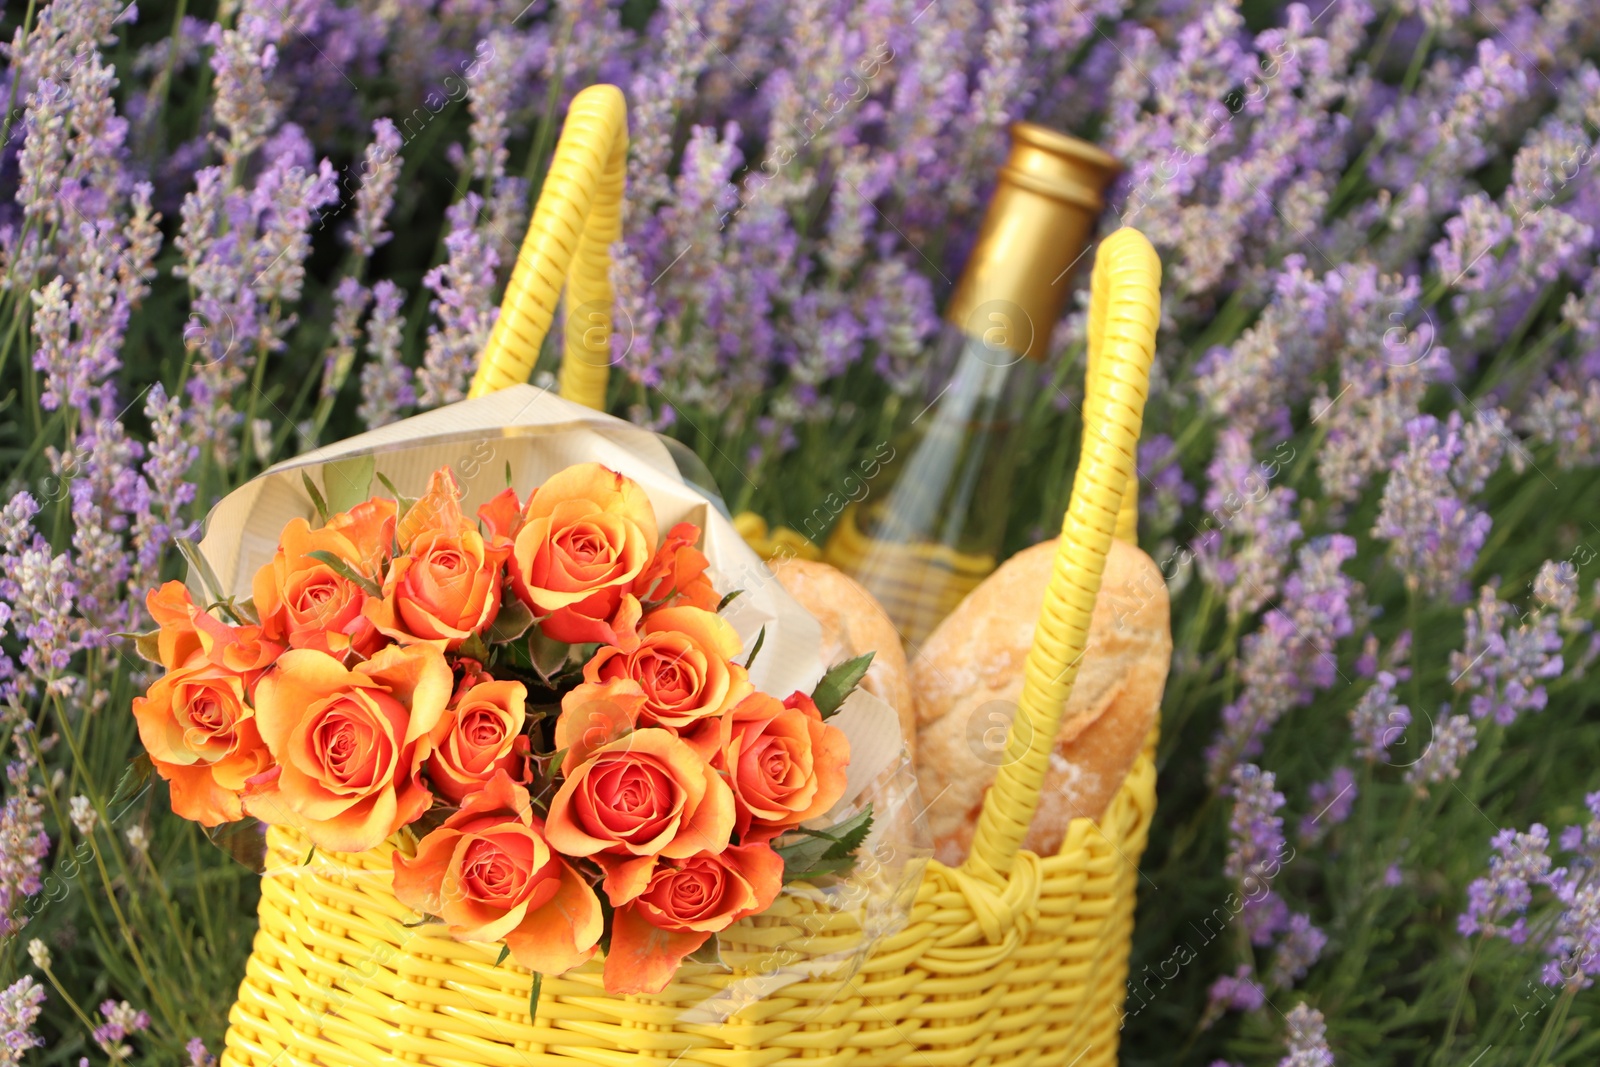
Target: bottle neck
column 1037, row 227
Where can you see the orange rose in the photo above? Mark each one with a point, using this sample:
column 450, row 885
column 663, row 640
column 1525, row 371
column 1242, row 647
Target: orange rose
column 369, row 530
column 349, row 744
column 501, row 518
column 677, row 906
column 489, row 873
column 174, row 613
column 588, row 533
column 445, row 584
column 307, row 602
column 785, row 764
column 593, row 714
column 677, row 573
column 481, row 737
column 644, row 794
column 185, row 630
column 241, row 649
column 202, row 739
column 683, row 663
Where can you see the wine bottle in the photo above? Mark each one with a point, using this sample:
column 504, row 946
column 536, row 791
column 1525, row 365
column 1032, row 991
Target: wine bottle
column 933, row 522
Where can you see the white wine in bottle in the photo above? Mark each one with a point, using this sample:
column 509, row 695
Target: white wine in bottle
column 935, row 520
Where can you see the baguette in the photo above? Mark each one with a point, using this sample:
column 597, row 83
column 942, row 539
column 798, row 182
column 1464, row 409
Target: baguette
column 853, row 622
column 968, row 676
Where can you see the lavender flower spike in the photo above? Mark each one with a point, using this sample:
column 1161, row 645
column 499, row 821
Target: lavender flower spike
column 1434, row 533
column 1520, row 862
column 20, row 1004
column 1307, row 1039
column 386, row 392
column 1299, row 950
column 1379, row 719
column 1453, row 737
column 380, row 173
column 1256, row 848
column 1575, row 948
column 1505, row 658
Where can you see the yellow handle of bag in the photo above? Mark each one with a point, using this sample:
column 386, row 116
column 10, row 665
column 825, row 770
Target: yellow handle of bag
column 578, row 217
column 1124, row 311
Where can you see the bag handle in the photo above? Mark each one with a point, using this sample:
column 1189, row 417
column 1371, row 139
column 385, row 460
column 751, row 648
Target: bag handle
column 577, row 218
column 1124, row 311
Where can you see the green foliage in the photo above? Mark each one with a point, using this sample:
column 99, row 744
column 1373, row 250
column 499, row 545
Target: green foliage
column 840, row 681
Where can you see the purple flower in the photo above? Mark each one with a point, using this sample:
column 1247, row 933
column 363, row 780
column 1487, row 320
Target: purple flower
column 1453, row 737
column 489, row 99
column 1307, row 1039
column 1520, row 862
column 1584, row 840
column 380, row 173
column 23, row 847
column 40, row 588
column 121, row 1021
column 243, row 57
column 1166, row 493
column 1379, row 719
column 1502, row 665
column 350, row 299
column 898, row 313
column 386, row 391
column 286, row 200
column 1556, row 586
column 1566, row 417
column 1330, row 802
column 1256, row 847
column 1249, row 527
column 462, row 287
column 20, row 1005
column 158, row 521
column 1574, row 948
column 1299, row 950
column 1293, row 654
column 1434, row 534
column 198, row 1056
column 1235, row 992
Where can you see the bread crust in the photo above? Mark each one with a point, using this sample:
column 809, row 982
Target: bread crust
column 853, row 622
column 967, row 677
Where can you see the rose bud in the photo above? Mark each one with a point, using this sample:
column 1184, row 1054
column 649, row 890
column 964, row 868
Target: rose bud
column 644, row 794
column 676, row 575
column 587, row 534
column 489, row 873
column 676, row 905
column 480, row 737
column 501, row 518
column 785, row 764
column 349, row 744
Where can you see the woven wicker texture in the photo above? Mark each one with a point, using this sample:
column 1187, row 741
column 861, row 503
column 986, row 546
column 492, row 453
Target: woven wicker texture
column 1011, row 959
column 578, row 216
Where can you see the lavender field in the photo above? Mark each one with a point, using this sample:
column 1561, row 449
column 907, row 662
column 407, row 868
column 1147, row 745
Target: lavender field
column 232, row 231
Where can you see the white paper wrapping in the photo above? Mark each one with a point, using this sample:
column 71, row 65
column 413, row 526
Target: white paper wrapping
column 537, row 434
column 534, row 433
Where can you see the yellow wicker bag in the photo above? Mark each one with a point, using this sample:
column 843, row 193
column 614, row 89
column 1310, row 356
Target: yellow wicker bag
column 1010, row 959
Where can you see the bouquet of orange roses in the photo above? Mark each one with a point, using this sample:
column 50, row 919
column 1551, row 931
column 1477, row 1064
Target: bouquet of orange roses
column 541, row 705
